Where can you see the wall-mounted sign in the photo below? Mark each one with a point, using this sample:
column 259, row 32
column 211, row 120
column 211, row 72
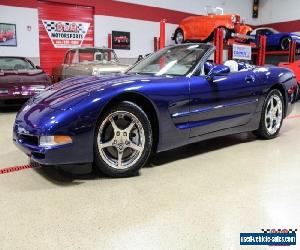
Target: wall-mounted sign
column 8, row 35
column 120, row 40
column 65, row 34
column 242, row 52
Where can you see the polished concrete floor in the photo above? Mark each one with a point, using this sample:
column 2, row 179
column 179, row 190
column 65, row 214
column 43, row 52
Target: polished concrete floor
column 201, row 196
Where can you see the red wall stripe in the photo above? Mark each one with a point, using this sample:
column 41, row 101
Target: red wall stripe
column 136, row 11
column 114, row 8
column 20, row 3
column 141, row 12
column 288, row 26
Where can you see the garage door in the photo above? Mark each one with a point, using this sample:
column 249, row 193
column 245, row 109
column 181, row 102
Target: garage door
column 63, row 26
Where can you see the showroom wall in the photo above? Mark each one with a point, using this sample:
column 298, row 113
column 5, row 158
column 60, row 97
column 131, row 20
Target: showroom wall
column 243, row 7
column 27, row 31
column 277, row 11
column 140, row 18
column 281, row 15
column 127, row 15
column 142, row 32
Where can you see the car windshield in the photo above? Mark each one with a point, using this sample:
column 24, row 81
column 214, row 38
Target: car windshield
column 175, row 60
column 214, row 10
column 266, row 31
column 11, row 63
column 273, row 31
column 88, row 55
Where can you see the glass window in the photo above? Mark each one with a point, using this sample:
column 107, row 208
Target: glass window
column 70, row 57
column 176, row 60
column 11, row 63
column 91, row 55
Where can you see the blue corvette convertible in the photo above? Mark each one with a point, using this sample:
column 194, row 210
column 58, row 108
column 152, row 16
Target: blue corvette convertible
column 276, row 39
column 169, row 99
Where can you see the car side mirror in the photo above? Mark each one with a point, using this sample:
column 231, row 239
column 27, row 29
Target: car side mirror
column 217, row 70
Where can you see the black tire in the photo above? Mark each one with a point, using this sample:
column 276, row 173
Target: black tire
column 297, row 93
column 209, row 39
column 58, row 79
column 227, row 34
column 262, row 131
column 179, row 33
column 285, row 43
column 101, row 164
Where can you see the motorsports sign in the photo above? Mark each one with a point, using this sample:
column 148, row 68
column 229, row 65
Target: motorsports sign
column 65, row 34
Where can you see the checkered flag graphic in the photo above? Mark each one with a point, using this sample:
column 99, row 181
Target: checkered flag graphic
column 278, row 230
column 292, row 230
column 51, row 26
column 81, row 29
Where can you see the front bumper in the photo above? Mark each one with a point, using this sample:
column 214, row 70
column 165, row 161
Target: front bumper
column 78, row 152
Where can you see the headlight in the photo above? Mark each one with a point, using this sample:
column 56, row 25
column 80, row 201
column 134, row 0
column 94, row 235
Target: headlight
column 36, row 87
column 96, row 71
column 56, row 140
column 233, row 18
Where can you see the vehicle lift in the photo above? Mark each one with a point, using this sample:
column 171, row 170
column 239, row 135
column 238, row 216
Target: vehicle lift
column 259, row 51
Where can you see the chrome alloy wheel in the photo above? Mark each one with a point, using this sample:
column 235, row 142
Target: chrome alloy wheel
column 273, row 115
column 179, row 37
column 121, row 140
column 285, row 43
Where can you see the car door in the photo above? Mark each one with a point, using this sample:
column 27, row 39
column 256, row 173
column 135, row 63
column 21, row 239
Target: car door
column 271, row 38
column 274, row 39
column 204, row 26
column 225, row 102
column 71, row 59
column 195, row 24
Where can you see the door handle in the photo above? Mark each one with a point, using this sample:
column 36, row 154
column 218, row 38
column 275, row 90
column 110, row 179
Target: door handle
column 249, row 79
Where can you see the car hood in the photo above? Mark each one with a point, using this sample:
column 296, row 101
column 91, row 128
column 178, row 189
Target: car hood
column 67, row 93
column 107, row 68
column 96, row 68
column 293, row 35
column 29, row 72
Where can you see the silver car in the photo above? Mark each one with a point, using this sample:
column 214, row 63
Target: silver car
column 88, row 61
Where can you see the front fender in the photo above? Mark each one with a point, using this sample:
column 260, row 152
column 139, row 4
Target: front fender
column 245, row 29
column 284, row 80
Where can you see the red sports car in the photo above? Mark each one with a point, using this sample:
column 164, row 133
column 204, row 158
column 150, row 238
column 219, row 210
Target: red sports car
column 295, row 66
column 121, row 39
column 201, row 28
column 6, row 35
column 20, row 79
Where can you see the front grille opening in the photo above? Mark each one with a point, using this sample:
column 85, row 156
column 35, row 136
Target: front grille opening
column 29, row 139
column 13, row 102
column 38, row 155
